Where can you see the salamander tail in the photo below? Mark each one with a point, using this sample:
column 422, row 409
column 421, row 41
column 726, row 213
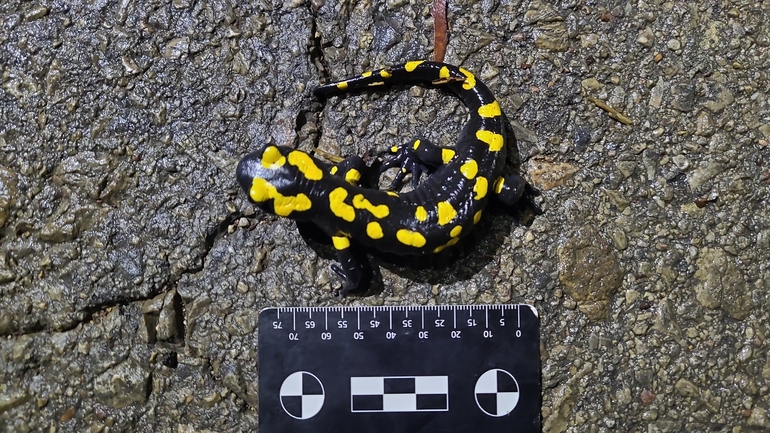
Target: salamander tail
column 416, row 72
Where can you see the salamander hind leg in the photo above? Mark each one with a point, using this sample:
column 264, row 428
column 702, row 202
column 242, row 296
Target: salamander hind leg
column 415, row 157
column 353, row 268
column 513, row 191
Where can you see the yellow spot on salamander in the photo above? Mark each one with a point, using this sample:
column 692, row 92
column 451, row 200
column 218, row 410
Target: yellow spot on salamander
column 394, row 149
column 385, row 74
column 416, row 144
column 493, row 140
column 283, row 205
column 340, row 242
column 498, row 186
column 338, row 206
column 446, row 213
column 261, row 190
column 470, row 79
column 374, row 230
column 476, row 217
column 272, row 157
column 447, row 155
column 408, row 237
column 411, row 66
column 456, row 231
column 379, row 211
column 490, row 110
column 353, row 176
column 443, row 73
column 440, row 248
column 480, row 188
column 469, row 169
column 333, row 170
column 367, row 74
column 421, row 214
column 377, row 83
column 342, row 85
column 394, row 194
column 305, row 165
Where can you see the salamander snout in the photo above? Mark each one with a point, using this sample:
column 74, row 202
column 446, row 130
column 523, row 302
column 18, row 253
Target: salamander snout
column 260, row 172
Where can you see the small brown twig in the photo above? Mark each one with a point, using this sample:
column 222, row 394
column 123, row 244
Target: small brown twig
column 330, row 156
column 440, row 31
column 615, row 114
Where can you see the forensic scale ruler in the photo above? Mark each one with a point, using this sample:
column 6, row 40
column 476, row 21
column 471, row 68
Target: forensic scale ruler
column 399, row 369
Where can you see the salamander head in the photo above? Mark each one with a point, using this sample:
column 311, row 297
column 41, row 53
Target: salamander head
column 272, row 182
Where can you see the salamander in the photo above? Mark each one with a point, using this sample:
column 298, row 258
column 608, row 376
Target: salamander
column 432, row 216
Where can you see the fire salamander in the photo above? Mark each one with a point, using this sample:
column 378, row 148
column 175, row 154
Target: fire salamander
column 431, row 217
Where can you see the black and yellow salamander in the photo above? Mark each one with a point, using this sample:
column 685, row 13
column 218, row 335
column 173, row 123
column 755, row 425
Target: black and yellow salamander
column 431, row 217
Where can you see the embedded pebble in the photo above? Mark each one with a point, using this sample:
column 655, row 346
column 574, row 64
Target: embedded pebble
column 10, row 401
column 704, row 125
column 35, row 13
column 122, row 385
column 656, row 94
column 8, row 193
column 589, row 40
column 591, row 84
column 548, row 175
column 646, row 37
column 619, row 239
column 591, row 287
column 704, row 173
column 673, row 44
column 176, row 48
column 489, row 71
column 721, row 284
column 722, row 99
column 681, row 162
column 683, row 96
column 765, row 130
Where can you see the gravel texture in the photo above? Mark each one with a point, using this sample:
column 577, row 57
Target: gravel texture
column 132, row 269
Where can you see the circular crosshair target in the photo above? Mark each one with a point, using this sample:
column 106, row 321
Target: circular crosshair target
column 302, row 395
column 497, row 392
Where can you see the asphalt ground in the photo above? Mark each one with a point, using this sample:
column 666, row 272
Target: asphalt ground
column 132, row 268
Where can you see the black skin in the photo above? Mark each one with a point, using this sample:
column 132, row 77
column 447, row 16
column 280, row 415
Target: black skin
column 356, row 273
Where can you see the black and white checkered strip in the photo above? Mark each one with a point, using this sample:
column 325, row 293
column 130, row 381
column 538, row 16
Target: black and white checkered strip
column 497, row 392
column 302, row 395
column 399, row 394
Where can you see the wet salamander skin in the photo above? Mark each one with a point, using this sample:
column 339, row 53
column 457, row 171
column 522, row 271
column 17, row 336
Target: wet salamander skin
column 433, row 216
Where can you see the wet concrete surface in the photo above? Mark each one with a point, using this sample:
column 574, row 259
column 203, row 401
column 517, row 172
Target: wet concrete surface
column 132, row 269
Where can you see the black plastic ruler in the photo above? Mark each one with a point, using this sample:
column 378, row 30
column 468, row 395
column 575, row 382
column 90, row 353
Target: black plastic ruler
column 399, row 369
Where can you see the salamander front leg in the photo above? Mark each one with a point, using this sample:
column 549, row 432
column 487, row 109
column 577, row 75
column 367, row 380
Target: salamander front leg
column 514, row 191
column 353, row 267
column 349, row 168
column 416, row 157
